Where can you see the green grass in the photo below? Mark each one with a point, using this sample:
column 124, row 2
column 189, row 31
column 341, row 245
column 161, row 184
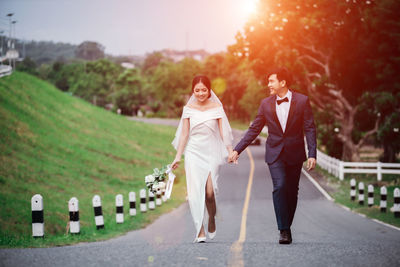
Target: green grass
column 61, row 147
column 341, row 194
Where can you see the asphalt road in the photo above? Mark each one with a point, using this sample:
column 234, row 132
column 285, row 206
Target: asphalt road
column 324, row 234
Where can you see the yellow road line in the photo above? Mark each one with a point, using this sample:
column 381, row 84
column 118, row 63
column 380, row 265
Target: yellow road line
column 236, row 258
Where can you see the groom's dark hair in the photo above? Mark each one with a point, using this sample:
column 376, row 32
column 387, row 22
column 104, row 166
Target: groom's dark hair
column 281, row 74
column 204, row 80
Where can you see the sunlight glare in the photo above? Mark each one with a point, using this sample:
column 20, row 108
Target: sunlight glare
column 249, row 6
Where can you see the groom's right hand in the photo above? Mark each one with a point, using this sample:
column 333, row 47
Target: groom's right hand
column 233, row 157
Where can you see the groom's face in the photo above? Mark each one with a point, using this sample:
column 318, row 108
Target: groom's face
column 274, row 85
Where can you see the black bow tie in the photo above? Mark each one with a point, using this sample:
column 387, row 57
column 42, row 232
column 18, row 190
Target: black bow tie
column 282, row 100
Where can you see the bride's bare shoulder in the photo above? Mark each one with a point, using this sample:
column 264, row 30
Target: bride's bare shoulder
column 215, row 105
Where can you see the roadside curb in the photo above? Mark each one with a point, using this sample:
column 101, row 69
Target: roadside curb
column 328, row 197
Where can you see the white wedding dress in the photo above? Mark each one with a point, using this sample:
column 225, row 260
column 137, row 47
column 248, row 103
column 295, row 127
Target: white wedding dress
column 205, row 152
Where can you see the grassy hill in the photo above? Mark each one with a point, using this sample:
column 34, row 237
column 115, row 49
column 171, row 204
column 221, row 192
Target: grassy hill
column 61, row 147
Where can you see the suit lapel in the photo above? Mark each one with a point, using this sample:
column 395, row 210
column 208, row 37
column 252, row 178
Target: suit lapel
column 275, row 117
column 291, row 111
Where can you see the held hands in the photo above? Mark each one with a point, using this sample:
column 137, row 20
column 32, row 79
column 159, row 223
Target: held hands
column 233, row 157
column 311, row 164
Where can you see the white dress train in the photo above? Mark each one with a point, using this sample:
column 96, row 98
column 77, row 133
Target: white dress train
column 204, row 153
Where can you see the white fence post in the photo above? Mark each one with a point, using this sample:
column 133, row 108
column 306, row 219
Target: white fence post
column 37, row 216
column 143, row 206
column 341, row 174
column 379, row 171
column 98, row 213
column 383, row 203
column 396, row 203
column 370, row 195
column 353, row 189
column 119, row 203
column 132, row 203
column 73, row 206
column 361, row 193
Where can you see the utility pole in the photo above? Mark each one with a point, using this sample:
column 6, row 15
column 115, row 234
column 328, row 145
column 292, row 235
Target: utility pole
column 1, row 47
column 13, row 44
column 9, row 15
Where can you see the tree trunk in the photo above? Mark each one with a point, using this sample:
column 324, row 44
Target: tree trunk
column 389, row 154
column 343, row 111
column 350, row 152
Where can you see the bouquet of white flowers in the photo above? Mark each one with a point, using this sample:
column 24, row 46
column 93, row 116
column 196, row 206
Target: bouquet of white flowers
column 156, row 182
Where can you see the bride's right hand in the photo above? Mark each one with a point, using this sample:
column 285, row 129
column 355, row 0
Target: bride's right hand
column 175, row 164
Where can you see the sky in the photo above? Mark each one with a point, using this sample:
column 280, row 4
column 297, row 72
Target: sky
column 130, row 27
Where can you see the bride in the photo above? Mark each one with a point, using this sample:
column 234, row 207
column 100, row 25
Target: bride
column 205, row 137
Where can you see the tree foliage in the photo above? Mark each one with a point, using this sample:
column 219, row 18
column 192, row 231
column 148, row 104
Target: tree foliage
column 89, row 50
column 337, row 51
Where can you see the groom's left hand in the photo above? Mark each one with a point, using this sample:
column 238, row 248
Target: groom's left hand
column 311, row 164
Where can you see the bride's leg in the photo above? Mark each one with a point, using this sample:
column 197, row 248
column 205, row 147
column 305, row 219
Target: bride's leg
column 202, row 233
column 210, row 204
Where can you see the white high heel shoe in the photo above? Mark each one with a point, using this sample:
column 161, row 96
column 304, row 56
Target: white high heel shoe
column 212, row 235
column 200, row 240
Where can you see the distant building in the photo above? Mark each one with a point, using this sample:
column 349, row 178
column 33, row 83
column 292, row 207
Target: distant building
column 128, row 65
column 176, row 56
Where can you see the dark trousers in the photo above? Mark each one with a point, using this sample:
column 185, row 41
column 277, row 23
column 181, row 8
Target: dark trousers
column 285, row 178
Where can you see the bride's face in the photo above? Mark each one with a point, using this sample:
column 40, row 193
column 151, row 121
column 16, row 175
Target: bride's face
column 201, row 92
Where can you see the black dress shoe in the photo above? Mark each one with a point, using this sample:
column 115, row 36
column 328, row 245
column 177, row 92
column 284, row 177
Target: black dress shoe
column 285, row 237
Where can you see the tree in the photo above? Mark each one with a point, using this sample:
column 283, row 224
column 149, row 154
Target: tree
column 327, row 45
column 171, row 84
column 95, row 81
column 90, row 51
column 235, row 76
column 130, row 92
column 151, row 62
column 28, row 65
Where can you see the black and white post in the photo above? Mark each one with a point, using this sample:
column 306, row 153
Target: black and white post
column 151, row 201
column 163, row 197
column 73, row 207
column 353, row 189
column 361, row 193
column 143, row 205
column 98, row 213
column 158, row 198
column 383, row 203
column 132, row 203
column 37, row 216
column 119, row 203
column 370, row 195
column 396, row 203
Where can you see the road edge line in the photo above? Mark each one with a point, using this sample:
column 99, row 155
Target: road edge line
column 316, row 184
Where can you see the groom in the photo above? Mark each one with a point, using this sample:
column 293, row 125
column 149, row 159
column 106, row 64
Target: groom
column 289, row 117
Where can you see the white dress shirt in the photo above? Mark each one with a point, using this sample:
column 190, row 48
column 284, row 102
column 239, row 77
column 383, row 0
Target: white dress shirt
column 282, row 110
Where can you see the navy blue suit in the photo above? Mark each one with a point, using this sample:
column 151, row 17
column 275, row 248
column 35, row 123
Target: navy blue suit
column 284, row 151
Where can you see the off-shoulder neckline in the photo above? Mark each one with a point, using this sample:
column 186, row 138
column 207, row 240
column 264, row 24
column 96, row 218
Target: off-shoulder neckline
column 204, row 110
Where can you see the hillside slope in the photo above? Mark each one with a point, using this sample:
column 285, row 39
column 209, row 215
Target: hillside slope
column 59, row 146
